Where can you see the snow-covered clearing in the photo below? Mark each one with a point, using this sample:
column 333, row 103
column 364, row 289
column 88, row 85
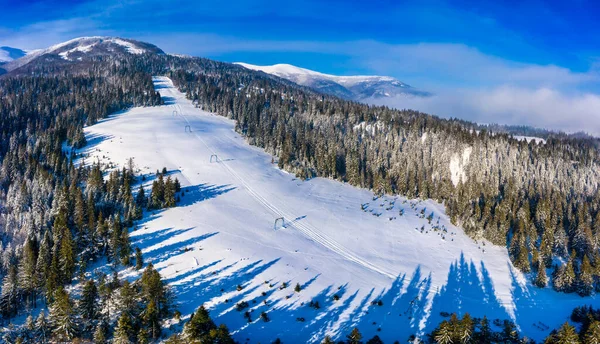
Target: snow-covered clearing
column 346, row 249
column 528, row 139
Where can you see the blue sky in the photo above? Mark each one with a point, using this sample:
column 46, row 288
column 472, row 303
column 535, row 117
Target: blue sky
column 522, row 62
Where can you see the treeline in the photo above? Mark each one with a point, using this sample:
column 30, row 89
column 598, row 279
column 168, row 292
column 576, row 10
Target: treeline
column 55, row 217
column 541, row 201
column 140, row 307
column 467, row 330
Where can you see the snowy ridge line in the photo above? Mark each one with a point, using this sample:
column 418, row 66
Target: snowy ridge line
column 311, row 233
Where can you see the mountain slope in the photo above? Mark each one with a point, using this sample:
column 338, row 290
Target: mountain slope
column 8, row 54
column 82, row 48
column 359, row 87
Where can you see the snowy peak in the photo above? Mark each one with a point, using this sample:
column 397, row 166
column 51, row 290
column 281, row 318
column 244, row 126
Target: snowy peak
column 356, row 87
column 86, row 47
column 8, row 54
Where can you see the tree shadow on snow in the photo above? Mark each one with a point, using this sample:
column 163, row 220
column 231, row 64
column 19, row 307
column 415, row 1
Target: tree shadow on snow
column 202, row 192
column 465, row 291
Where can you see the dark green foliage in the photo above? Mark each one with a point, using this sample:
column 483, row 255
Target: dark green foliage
column 139, row 260
column 375, row 340
column 566, row 334
column 62, row 316
column 355, row 337
column 201, row 329
column 88, row 303
column 469, row 330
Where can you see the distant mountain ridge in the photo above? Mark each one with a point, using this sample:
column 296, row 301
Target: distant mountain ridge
column 364, row 88
column 84, row 47
column 8, row 54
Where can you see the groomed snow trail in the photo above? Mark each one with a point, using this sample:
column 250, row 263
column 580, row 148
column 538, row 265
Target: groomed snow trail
column 345, row 248
column 306, row 229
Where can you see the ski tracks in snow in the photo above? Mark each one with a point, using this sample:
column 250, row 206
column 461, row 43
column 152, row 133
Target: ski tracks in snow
column 308, row 230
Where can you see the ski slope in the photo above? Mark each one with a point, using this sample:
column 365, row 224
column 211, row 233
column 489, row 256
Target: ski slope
column 346, row 249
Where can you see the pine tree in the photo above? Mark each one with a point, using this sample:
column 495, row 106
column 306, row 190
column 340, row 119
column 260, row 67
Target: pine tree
column 29, row 329
column 465, row 328
column 375, row 340
column 169, row 193
column 592, row 335
column 485, row 332
column 327, row 340
column 152, row 319
column 9, row 298
column 354, row 337
column 125, row 248
column 67, row 256
column 585, row 279
column 42, row 328
column 567, row 335
column 509, row 332
column 143, row 336
column 124, row 330
column 27, row 272
column 127, row 302
column 153, row 289
column 541, row 280
column 199, row 326
column 88, row 303
column 140, row 198
column 444, row 334
column 62, row 316
column 115, row 239
column 100, row 334
column 43, row 264
column 139, row 260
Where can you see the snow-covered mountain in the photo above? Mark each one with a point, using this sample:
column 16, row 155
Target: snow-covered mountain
column 8, row 54
column 358, row 87
column 79, row 48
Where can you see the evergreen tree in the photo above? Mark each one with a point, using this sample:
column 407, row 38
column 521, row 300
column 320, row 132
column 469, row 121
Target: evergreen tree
column 152, row 319
column 465, row 329
column 125, row 248
column 27, row 272
column 444, row 334
column 565, row 335
column 355, row 337
column 327, row 340
column 153, row 289
column 169, row 193
column 585, row 280
column 42, row 328
column 62, row 316
column 88, row 303
column 100, row 334
column 9, row 298
column 140, row 198
column 592, row 335
column 124, row 330
column 199, row 326
column 139, row 260
column 541, row 280
column 375, row 340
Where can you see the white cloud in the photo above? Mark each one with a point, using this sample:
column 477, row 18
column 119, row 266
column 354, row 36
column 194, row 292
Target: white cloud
column 542, row 107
